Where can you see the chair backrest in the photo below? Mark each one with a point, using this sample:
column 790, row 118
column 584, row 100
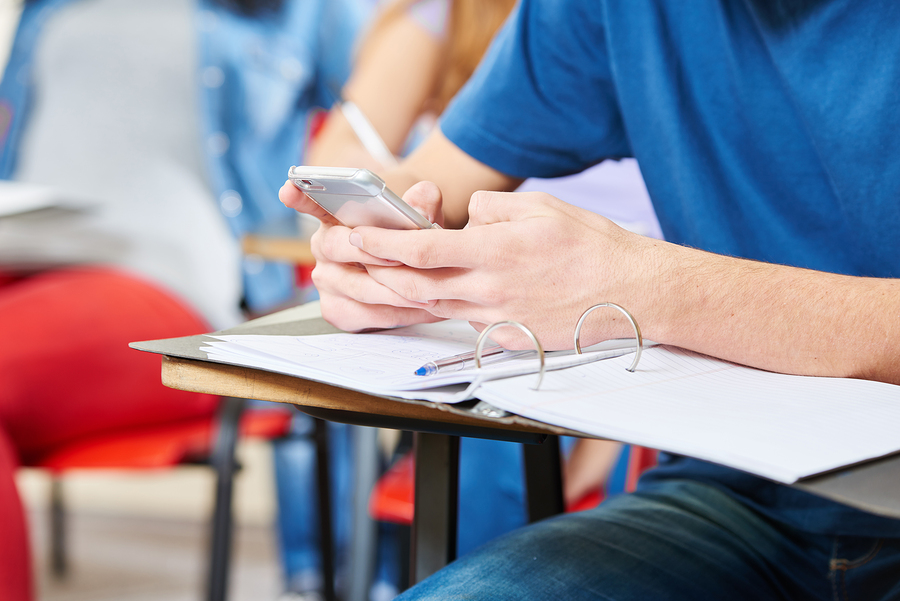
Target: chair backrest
column 159, row 446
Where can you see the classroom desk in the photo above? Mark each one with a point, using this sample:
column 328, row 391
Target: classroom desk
column 873, row 486
column 436, row 427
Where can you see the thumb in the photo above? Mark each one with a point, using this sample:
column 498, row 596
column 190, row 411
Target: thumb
column 426, row 198
column 292, row 197
column 495, row 207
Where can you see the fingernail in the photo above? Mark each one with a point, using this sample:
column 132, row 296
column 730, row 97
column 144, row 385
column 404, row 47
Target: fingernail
column 356, row 240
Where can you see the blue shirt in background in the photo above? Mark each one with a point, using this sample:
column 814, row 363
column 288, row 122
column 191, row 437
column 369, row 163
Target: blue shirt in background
column 259, row 77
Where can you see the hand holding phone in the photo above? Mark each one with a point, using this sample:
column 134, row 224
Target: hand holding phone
column 350, row 298
column 356, row 197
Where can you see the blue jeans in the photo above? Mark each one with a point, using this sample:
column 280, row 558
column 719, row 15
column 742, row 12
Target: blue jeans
column 298, row 515
column 492, row 489
column 680, row 540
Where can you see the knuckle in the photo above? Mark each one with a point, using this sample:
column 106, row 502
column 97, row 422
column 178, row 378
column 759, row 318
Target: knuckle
column 337, row 312
column 322, row 243
column 422, row 254
column 408, row 288
column 320, row 280
column 321, row 276
column 442, row 309
column 478, row 202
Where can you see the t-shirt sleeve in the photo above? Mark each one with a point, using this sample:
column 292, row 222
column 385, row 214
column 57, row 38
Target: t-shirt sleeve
column 542, row 103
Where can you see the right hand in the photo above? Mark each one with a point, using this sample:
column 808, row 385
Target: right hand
column 351, row 299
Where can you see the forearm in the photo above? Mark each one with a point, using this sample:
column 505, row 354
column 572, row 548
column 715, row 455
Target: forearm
column 534, row 259
column 772, row 317
column 337, row 145
column 457, row 174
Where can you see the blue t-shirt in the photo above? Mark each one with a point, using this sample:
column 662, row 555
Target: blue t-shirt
column 765, row 130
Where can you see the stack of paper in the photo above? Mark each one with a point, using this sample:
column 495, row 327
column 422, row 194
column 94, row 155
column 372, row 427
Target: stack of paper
column 777, row 426
column 384, row 363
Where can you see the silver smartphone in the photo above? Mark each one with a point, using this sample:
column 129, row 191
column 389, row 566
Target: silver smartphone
column 357, row 197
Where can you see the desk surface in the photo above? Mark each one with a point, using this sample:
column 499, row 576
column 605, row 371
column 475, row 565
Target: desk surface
column 873, row 486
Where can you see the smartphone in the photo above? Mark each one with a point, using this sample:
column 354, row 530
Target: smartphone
column 357, row 197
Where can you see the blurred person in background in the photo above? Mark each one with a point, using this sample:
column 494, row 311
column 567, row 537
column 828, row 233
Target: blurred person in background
column 174, row 121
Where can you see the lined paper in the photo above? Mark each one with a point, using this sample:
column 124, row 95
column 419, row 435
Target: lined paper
column 385, row 362
column 777, row 426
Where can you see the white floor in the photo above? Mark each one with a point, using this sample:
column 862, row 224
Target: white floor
column 150, row 559
column 142, row 536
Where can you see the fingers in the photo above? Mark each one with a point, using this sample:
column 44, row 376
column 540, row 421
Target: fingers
column 471, row 247
column 292, row 197
column 331, row 243
column 351, row 316
column 424, row 249
column 422, row 285
column 425, row 197
column 353, row 282
column 511, row 338
column 352, row 301
column 448, row 293
column 493, row 207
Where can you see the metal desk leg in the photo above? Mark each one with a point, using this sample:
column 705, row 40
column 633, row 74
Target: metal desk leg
column 326, row 542
column 543, row 479
column 225, row 464
column 437, row 496
column 365, row 529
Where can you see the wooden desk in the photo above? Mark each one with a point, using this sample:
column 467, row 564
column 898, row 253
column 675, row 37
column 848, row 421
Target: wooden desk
column 275, row 248
column 436, row 427
column 873, row 486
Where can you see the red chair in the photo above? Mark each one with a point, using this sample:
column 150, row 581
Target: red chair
column 393, row 497
column 209, row 441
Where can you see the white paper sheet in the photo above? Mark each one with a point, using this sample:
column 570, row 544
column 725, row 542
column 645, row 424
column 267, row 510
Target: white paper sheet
column 385, row 362
column 778, row 426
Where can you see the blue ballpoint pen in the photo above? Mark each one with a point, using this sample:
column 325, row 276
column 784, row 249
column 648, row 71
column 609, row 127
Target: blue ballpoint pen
column 456, row 362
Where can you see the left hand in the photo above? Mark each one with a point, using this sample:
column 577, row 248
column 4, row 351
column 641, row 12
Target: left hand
column 527, row 257
column 351, row 299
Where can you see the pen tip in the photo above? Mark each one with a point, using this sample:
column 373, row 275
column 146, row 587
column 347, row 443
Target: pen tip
column 421, row 371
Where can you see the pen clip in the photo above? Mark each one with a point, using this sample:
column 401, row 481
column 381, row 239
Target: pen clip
column 479, row 345
column 634, row 324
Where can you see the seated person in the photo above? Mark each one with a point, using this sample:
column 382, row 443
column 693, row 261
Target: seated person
column 428, row 49
column 777, row 215
column 99, row 102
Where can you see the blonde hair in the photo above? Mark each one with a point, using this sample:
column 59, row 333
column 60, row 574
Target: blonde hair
column 472, row 25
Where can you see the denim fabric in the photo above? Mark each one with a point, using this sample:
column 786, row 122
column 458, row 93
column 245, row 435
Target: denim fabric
column 298, row 515
column 679, row 540
column 492, row 490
